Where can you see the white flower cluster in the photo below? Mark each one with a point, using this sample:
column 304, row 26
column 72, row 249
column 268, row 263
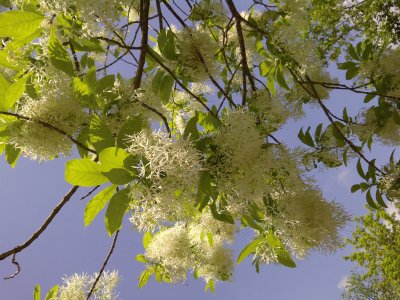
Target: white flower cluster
column 196, row 52
column 58, row 108
column 272, row 113
column 169, row 174
column 198, row 246
column 240, row 161
column 390, row 183
column 77, row 287
column 96, row 15
column 385, row 66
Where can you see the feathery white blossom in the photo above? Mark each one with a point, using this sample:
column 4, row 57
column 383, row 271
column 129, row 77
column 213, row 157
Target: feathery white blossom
column 58, row 107
column 196, row 52
column 77, row 286
column 170, row 171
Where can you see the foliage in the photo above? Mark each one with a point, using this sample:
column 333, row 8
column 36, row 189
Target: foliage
column 377, row 244
column 180, row 129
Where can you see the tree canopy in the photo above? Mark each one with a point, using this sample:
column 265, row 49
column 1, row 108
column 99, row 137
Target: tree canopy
column 171, row 113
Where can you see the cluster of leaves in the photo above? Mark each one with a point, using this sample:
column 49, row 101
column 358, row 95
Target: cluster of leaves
column 377, row 244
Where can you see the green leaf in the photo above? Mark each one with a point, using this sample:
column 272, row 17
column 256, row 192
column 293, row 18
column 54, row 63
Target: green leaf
column 59, row 56
column 246, row 219
column 157, row 80
column 100, row 136
column 282, row 254
column 221, row 216
column 353, row 53
column 91, row 44
column 368, row 98
column 119, row 176
column 141, row 258
column 144, row 277
column 284, row 258
column 166, row 88
column 250, row 248
column 210, row 286
column 12, row 154
column 347, row 65
column 116, row 209
column 306, row 137
column 14, row 92
column 265, row 68
column 208, row 121
column 84, row 172
column 169, row 49
column 52, row 294
column 112, row 157
column 147, row 237
column 317, row 134
column 360, row 170
column 280, row 78
column 370, row 201
column 351, row 73
column 36, row 292
column 380, row 200
column 355, row 188
column 133, row 125
column 97, row 203
column 20, row 25
column 191, row 128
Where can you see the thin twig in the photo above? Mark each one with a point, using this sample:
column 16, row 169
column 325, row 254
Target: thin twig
column 330, row 118
column 90, row 192
column 42, row 228
column 104, row 265
column 13, row 261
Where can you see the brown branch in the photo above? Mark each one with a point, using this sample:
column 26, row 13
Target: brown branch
column 119, row 44
column 75, row 57
column 144, row 26
column 173, row 12
column 328, row 115
column 42, row 228
column 339, row 86
column 47, row 125
column 159, row 114
column 239, row 30
column 104, row 265
column 13, row 261
column 160, row 16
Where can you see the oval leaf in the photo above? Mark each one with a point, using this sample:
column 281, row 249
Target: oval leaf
column 98, row 202
column 84, row 172
column 115, row 211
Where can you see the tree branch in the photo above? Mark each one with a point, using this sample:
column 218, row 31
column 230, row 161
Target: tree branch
column 104, row 265
column 144, row 26
column 42, row 228
column 239, row 30
column 328, row 114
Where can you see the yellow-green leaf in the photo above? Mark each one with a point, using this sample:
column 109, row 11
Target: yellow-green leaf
column 20, row 24
column 97, row 203
column 84, row 172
